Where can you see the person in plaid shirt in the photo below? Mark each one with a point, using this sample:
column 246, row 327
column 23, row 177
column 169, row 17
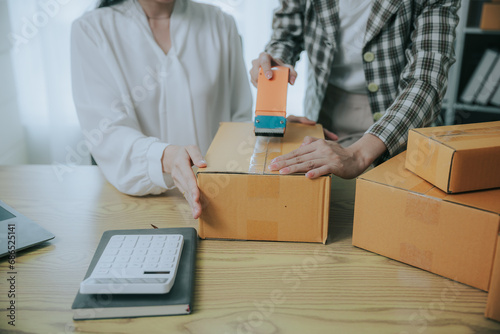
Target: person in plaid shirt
column 395, row 54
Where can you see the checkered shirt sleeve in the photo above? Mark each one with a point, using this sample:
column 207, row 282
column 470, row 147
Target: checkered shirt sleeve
column 413, row 49
column 422, row 82
column 287, row 41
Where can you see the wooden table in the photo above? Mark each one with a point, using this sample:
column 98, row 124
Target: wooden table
column 241, row 286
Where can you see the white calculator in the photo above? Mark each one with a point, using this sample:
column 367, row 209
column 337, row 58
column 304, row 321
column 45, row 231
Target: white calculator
column 136, row 264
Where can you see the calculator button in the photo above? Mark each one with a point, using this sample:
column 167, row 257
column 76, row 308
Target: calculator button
column 159, row 238
column 116, row 244
column 133, row 272
column 145, row 238
column 171, row 244
column 144, row 244
column 157, row 244
column 118, row 238
column 111, row 281
column 104, row 265
column 121, row 259
column 134, row 265
column 155, row 251
column 150, row 267
column 118, row 265
column 137, row 259
column 102, row 271
column 170, row 251
column 107, row 259
column 127, row 251
column 135, row 280
column 155, row 280
column 140, row 251
column 153, row 259
column 167, row 259
column 148, row 280
column 174, row 237
column 129, row 243
column 110, row 251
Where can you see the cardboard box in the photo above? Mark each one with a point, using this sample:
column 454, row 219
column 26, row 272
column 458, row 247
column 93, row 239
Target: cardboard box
column 490, row 16
column 493, row 304
column 401, row 216
column 456, row 158
column 243, row 199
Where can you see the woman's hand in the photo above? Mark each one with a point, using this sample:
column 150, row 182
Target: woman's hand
column 317, row 157
column 267, row 62
column 177, row 161
column 304, row 120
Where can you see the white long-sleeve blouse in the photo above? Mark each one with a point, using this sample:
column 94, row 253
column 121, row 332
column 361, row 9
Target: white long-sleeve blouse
column 133, row 100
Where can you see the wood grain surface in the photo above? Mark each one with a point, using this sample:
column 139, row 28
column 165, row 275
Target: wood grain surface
column 241, row 286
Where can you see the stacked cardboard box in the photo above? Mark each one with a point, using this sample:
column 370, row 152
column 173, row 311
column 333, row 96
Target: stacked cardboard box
column 490, row 15
column 408, row 218
column 493, row 304
column 456, row 158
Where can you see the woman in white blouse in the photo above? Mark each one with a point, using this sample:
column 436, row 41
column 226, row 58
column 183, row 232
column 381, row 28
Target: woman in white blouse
column 152, row 79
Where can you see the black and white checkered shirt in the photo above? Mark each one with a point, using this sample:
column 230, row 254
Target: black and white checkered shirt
column 410, row 49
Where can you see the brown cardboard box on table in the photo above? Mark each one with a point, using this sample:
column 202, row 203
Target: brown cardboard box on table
column 493, row 304
column 456, row 158
column 243, row 199
column 401, row 216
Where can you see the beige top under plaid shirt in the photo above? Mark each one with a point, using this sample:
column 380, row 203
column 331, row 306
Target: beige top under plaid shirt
column 407, row 51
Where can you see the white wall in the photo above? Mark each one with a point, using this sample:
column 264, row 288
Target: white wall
column 12, row 143
column 254, row 20
column 41, row 63
column 40, row 66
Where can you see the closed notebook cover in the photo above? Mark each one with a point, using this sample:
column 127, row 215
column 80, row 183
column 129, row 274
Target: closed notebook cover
column 478, row 77
column 490, row 84
column 495, row 99
column 177, row 301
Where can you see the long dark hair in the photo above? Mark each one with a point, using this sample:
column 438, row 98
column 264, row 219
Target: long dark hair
column 107, row 3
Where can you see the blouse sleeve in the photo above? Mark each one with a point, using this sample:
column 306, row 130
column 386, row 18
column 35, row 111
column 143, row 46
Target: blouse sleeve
column 129, row 160
column 241, row 96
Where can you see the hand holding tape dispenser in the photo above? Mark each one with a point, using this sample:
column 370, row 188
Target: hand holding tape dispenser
column 270, row 111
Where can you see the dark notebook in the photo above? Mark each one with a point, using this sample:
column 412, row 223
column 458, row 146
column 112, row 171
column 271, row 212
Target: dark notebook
column 177, row 301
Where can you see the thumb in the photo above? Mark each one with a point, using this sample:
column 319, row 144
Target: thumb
column 196, row 157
